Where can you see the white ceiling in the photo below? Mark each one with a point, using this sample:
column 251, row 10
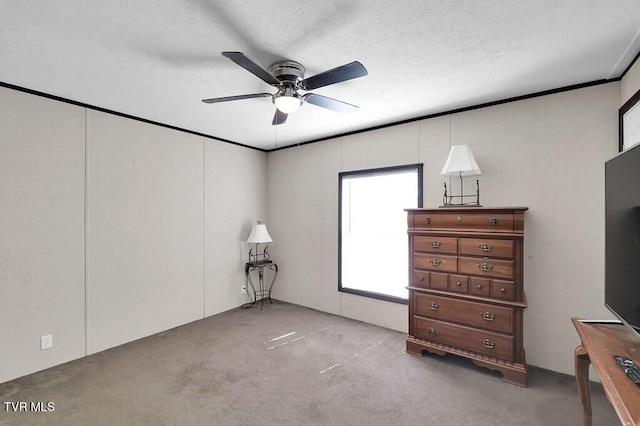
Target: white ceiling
column 156, row 59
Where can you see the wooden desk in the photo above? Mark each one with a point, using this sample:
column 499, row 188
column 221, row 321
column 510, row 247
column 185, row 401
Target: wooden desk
column 600, row 342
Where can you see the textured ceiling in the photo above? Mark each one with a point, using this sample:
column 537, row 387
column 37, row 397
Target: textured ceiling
column 156, row 59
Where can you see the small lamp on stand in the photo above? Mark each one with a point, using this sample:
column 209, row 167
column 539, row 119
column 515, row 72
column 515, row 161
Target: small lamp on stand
column 259, row 235
column 461, row 163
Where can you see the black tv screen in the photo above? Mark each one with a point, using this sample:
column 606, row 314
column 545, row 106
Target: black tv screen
column 622, row 236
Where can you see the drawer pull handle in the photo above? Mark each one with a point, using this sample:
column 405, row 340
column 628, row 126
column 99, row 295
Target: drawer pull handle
column 435, row 262
column 485, row 247
column 502, row 290
column 458, row 284
column 479, row 286
column 459, row 218
column 494, row 221
column 433, row 332
column 487, row 316
column 435, row 244
column 488, row 344
column 433, row 306
column 485, row 267
column 421, row 278
column 427, row 219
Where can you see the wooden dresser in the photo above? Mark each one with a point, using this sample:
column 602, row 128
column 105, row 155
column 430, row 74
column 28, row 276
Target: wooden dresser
column 466, row 293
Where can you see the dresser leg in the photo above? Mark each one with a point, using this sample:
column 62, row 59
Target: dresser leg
column 414, row 349
column 516, row 374
column 515, row 377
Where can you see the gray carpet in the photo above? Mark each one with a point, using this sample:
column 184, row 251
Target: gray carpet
column 288, row 365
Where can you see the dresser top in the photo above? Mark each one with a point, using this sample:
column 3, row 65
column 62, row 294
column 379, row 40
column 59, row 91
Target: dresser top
column 469, row 209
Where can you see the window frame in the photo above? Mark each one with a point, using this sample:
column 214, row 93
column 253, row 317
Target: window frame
column 418, row 167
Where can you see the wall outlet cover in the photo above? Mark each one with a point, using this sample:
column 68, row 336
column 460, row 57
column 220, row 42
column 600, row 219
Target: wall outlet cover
column 46, row 342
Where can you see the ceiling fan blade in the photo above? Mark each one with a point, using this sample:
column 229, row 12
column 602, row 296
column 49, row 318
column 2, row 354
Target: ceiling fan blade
column 252, row 67
column 236, row 98
column 279, row 117
column 330, row 103
column 336, row 75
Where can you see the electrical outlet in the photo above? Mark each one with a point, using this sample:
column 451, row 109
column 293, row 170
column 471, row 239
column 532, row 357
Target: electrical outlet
column 244, row 289
column 46, row 342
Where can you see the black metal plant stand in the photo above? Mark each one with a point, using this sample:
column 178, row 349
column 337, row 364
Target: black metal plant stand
column 262, row 291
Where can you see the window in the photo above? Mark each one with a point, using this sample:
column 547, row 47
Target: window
column 372, row 230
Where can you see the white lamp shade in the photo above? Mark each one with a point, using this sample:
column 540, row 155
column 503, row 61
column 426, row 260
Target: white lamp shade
column 259, row 234
column 460, row 162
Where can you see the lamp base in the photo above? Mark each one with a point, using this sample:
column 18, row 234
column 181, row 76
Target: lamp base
column 447, row 200
column 450, row 206
column 256, row 257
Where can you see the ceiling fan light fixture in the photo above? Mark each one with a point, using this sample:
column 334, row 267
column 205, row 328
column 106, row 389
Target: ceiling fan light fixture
column 287, row 103
column 288, row 78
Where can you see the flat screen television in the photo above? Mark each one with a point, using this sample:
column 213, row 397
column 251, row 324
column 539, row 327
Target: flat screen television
column 622, row 236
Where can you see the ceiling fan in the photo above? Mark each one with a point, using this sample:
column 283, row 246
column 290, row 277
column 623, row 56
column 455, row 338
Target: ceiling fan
column 288, row 78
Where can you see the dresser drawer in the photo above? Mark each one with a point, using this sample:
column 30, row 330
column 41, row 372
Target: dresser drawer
column 438, row 281
column 420, row 279
column 435, row 262
column 433, row 280
column 478, row 341
column 464, row 221
column 486, row 247
column 435, row 244
column 458, row 283
column 503, row 289
column 486, row 267
column 475, row 314
column 480, row 286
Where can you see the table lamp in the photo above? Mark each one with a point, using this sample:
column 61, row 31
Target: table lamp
column 460, row 162
column 259, row 235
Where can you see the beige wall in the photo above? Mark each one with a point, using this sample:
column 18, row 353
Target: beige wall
column 630, row 83
column 546, row 153
column 145, row 188
column 113, row 229
column 41, row 232
column 235, row 197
